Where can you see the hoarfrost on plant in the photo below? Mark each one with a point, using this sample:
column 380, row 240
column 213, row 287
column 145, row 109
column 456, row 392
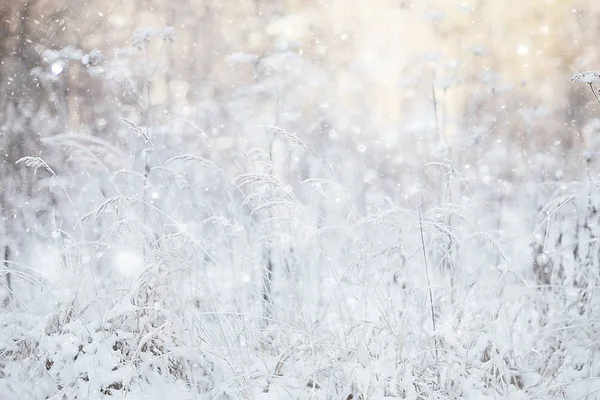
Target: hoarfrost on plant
column 586, row 77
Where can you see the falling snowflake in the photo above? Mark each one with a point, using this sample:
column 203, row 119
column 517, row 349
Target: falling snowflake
column 129, row 263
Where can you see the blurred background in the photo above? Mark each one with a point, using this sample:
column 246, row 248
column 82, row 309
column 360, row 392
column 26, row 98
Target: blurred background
column 383, row 87
column 370, row 72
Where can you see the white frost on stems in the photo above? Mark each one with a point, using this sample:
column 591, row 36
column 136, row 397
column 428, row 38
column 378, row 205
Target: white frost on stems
column 143, row 36
column 588, row 77
column 168, row 34
column 67, row 53
column 93, row 58
column 289, row 136
column 35, row 163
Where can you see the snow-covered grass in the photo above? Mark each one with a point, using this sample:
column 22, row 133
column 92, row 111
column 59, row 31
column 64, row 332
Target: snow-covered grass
column 251, row 262
column 193, row 280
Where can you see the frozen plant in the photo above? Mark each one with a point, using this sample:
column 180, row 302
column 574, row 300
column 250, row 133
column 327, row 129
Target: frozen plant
column 589, row 77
